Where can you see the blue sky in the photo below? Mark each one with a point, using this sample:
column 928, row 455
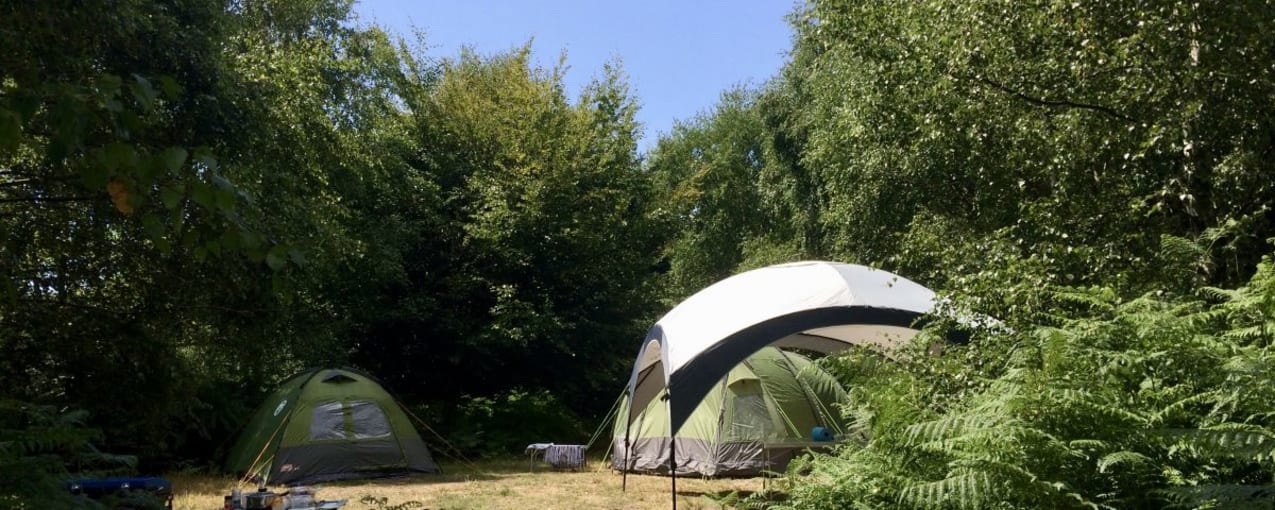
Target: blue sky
column 679, row 55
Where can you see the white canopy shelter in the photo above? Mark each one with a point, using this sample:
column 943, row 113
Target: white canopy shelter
column 819, row 306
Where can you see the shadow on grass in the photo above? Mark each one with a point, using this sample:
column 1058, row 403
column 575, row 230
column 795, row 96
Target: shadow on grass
column 447, row 476
column 735, row 497
column 451, row 472
column 481, row 470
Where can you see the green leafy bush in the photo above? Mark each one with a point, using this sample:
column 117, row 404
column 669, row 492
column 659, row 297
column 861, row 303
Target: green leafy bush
column 1154, row 402
column 505, row 424
column 40, row 448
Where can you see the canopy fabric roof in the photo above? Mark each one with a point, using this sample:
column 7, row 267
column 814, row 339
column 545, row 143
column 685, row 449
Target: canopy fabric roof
column 814, row 305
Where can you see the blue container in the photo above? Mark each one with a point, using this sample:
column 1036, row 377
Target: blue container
column 95, row 488
column 821, row 434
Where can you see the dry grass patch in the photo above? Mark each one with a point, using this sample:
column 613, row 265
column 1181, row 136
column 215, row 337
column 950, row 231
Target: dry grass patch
column 506, row 485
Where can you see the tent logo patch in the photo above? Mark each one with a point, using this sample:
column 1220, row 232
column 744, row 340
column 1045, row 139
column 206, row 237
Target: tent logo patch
column 279, row 409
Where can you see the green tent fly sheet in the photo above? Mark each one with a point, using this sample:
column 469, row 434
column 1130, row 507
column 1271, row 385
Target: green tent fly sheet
column 329, row 424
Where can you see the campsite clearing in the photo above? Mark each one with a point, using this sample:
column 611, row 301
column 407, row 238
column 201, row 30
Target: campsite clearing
column 496, row 485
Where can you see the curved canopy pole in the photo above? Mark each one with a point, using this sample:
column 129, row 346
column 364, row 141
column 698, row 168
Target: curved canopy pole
column 691, row 382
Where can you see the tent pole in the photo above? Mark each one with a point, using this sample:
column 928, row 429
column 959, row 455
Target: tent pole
column 629, row 425
column 624, row 473
column 672, row 462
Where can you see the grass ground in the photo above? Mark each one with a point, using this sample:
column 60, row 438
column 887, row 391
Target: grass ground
column 503, row 485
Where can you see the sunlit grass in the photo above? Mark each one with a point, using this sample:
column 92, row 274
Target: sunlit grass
column 496, row 485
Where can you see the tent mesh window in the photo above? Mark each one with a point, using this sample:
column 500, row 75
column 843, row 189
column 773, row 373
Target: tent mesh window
column 750, row 419
column 328, row 421
column 356, row 419
column 368, row 420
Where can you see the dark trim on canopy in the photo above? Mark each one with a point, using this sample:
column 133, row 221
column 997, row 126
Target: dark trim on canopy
column 691, row 382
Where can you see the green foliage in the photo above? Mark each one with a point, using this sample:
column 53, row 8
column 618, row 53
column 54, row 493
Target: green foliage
column 735, row 197
column 533, row 250
column 989, row 147
column 505, row 424
column 171, row 181
column 1151, row 402
column 41, row 448
column 199, row 197
column 1039, row 121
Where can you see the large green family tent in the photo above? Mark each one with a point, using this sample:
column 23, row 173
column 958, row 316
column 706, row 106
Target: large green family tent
column 329, row 424
column 757, row 417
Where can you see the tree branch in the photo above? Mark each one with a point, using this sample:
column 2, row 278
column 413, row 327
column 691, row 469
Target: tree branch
column 63, row 178
column 124, row 311
column 1054, row 103
column 49, row 199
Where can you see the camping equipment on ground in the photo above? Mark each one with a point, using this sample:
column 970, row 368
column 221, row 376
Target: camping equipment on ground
column 295, row 498
column 98, row 488
column 559, row 456
column 329, row 424
column 822, row 434
column 757, row 418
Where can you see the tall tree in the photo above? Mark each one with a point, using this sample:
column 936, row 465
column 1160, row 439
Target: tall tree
column 540, row 258
column 1077, row 131
column 159, row 169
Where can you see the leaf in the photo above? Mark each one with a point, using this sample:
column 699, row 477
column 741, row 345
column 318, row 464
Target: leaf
column 94, row 176
column 224, row 200
column 189, row 239
column 118, row 155
column 155, row 229
column 153, row 226
column 170, row 196
column 296, row 256
column 10, row 130
column 120, row 196
column 249, row 240
column 275, row 258
column 202, row 194
column 1121, row 457
column 173, row 158
column 143, row 92
column 169, row 87
column 25, row 105
column 10, row 291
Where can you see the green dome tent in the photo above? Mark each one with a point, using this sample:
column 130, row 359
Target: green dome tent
column 329, row 424
column 758, row 417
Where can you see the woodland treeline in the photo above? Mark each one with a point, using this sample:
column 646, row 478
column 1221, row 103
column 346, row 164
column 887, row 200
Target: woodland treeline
column 200, row 197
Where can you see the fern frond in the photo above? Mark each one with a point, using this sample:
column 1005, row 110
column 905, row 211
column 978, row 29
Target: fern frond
column 1236, row 497
column 1249, row 364
column 1180, row 406
column 1122, row 457
column 1088, row 444
column 952, row 426
column 1097, row 300
column 1219, row 294
column 964, row 489
column 1088, row 401
column 1181, row 247
column 1233, row 440
column 1247, row 334
column 77, row 417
